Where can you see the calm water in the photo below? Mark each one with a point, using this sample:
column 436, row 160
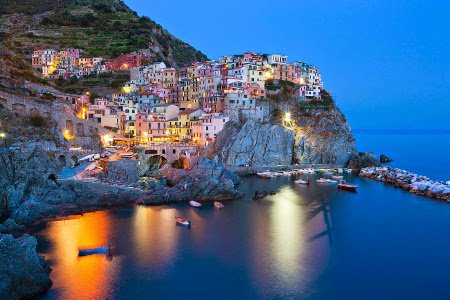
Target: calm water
column 423, row 152
column 303, row 243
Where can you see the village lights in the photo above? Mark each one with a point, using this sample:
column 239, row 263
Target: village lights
column 107, row 139
column 287, row 117
column 2, row 135
column 67, row 134
column 126, row 89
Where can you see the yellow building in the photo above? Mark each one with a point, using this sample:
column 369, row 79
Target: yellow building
column 182, row 127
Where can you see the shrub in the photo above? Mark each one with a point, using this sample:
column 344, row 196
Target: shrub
column 36, row 120
column 178, row 164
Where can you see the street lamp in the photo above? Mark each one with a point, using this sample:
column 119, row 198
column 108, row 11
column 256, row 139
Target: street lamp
column 287, row 117
column 3, row 137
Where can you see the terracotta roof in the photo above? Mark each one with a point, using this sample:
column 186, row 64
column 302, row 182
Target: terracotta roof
column 187, row 111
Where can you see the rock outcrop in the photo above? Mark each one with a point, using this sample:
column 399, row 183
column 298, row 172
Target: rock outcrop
column 414, row 183
column 257, row 144
column 385, row 159
column 363, row 160
column 23, row 273
column 28, row 193
column 203, row 180
column 321, row 137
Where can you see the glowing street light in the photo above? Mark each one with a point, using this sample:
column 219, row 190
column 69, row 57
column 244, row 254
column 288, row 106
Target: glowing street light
column 287, row 117
column 2, row 135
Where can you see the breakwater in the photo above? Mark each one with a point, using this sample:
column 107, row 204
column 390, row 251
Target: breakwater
column 414, row 183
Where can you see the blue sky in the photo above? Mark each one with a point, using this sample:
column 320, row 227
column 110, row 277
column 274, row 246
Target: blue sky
column 386, row 62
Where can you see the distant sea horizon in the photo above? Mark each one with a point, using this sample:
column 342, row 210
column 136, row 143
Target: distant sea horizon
column 396, row 131
column 422, row 151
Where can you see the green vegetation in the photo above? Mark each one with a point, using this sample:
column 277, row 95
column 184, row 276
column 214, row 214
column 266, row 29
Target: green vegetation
column 105, row 28
column 78, row 86
column 36, row 120
column 271, row 86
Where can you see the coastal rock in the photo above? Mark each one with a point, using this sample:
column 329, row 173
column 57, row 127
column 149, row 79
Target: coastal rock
column 363, row 160
column 385, row 159
column 318, row 137
column 323, row 137
column 204, row 180
column 420, row 185
column 256, row 144
column 23, row 273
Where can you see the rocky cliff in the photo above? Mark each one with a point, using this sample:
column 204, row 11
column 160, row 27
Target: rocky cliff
column 314, row 136
column 23, row 273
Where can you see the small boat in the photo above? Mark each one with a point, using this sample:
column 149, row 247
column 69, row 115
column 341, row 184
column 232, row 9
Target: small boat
column 92, row 251
column 126, row 155
column 300, row 181
column 75, row 149
column 182, row 221
column 337, row 177
column 346, row 187
column 265, row 175
column 218, row 204
column 326, row 180
column 195, row 203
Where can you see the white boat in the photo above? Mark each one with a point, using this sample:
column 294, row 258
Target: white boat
column 265, row 175
column 300, row 181
column 111, row 149
column 218, row 204
column 195, row 203
column 182, row 221
column 126, row 155
column 89, row 157
column 326, row 180
column 75, row 149
column 337, row 177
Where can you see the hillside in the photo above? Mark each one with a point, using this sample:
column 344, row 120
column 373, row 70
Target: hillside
column 104, row 28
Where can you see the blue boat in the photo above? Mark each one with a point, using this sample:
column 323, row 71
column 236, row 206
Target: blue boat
column 91, row 251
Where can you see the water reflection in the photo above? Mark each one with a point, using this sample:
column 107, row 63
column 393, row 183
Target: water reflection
column 81, row 277
column 154, row 236
column 286, row 234
column 285, row 253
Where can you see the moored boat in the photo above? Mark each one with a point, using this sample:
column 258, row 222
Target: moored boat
column 265, row 175
column 346, row 187
column 218, row 204
column 195, row 203
column 182, row 221
column 126, row 155
column 300, row 181
column 326, row 180
column 92, row 251
column 337, row 177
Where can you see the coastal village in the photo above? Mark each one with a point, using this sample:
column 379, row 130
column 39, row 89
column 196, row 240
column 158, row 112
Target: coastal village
column 161, row 104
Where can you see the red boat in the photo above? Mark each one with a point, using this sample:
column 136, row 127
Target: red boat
column 346, row 187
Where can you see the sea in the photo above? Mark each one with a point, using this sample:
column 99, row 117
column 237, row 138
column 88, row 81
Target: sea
column 304, row 242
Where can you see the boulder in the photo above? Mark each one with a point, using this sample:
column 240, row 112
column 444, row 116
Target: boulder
column 385, row 159
column 363, row 160
column 204, row 180
column 23, row 273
